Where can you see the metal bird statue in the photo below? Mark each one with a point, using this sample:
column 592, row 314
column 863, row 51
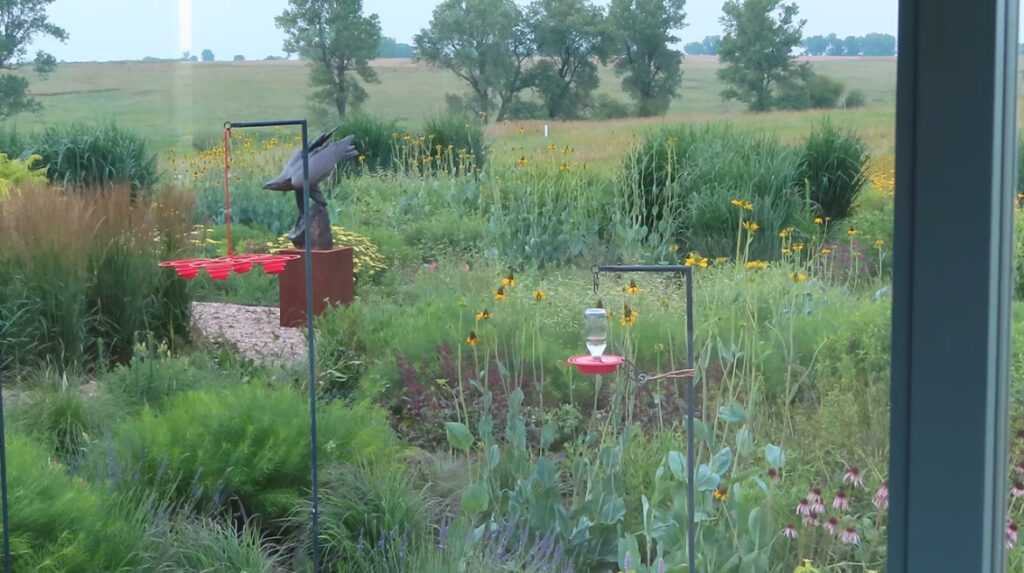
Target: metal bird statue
column 324, row 156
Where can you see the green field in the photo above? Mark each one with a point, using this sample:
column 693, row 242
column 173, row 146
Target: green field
column 184, row 104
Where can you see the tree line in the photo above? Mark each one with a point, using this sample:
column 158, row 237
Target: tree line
column 867, row 45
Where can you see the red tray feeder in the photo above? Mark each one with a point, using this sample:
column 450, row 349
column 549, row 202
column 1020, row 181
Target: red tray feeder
column 240, row 265
column 186, row 268
column 605, row 364
column 217, row 270
column 273, row 264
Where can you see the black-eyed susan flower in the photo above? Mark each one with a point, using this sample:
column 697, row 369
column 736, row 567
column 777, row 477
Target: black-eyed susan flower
column 751, row 226
column 757, row 265
column 521, row 160
column 472, row 338
column 798, row 247
column 851, row 231
column 879, row 243
column 695, row 260
column 743, row 204
column 786, row 232
column 484, row 315
column 510, row 278
column 826, row 251
column 818, row 220
column 500, row 294
column 628, row 316
column 798, row 277
column 721, row 494
column 786, row 251
column 539, row 295
column 632, row 288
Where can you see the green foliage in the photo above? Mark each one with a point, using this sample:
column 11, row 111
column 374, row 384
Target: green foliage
column 651, row 72
column 485, row 43
column 688, row 176
column 241, row 444
column 390, row 48
column 338, row 55
column 27, row 22
column 759, row 38
column 878, row 45
column 832, row 165
column 854, row 99
column 455, row 137
column 203, row 544
column 808, row 90
column 83, row 155
column 570, row 35
column 607, row 107
column 153, row 375
column 16, row 172
column 375, row 140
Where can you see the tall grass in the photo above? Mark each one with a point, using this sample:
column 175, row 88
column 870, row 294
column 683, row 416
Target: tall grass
column 832, row 166
column 82, row 155
column 79, row 277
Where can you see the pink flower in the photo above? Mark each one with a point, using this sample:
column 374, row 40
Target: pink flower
column 815, row 495
column 1018, row 489
column 804, row 507
column 849, row 536
column 881, row 499
column 852, row 477
column 841, row 502
column 817, row 506
column 1011, row 534
column 811, row 519
column 1020, row 467
column 789, row 531
column 832, row 525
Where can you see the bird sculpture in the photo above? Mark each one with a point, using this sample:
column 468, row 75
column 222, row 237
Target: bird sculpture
column 324, row 156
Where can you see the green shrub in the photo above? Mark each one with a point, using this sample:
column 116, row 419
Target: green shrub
column 607, row 107
column 80, row 155
column 832, row 166
column 153, row 375
column 374, row 138
column 208, row 545
column 854, row 99
column 246, row 443
column 809, row 91
column 449, row 137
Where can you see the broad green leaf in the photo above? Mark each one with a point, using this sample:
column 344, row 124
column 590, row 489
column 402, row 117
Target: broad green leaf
column 613, row 511
column 759, row 523
column 547, row 435
column 459, row 435
column 706, row 479
column 486, row 428
column 744, row 441
column 720, row 463
column 545, row 472
column 677, row 463
column 493, row 456
column 731, row 413
column 475, row 499
column 775, row 456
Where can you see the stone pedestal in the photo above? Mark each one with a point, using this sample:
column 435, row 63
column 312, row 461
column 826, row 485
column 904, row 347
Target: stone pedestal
column 333, row 283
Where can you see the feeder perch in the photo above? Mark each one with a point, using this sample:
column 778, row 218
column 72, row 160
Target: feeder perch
column 587, row 364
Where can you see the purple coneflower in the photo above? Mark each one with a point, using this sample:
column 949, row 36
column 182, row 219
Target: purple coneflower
column 849, row 536
column 1020, row 467
column 1011, row 534
column 841, row 502
column 789, row 531
column 881, row 499
column 832, row 525
column 852, row 477
column 811, row 519
column 1018, row 489
column 804, row 507
column 773, row 474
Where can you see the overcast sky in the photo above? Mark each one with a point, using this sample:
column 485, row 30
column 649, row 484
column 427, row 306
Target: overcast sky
column 132, row 29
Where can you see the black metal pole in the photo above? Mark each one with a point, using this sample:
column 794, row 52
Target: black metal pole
column 3, row 487
column 309, row 329
column 688, row 271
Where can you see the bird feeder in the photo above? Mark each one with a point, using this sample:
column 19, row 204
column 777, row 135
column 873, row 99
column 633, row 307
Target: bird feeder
column 595, row 333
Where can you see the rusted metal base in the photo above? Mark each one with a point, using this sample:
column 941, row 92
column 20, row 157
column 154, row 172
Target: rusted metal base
column 333, row 283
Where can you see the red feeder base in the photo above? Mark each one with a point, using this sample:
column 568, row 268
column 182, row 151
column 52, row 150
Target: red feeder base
column 605, row 364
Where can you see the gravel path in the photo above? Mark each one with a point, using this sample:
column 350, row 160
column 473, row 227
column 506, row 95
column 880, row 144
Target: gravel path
column 254, row 331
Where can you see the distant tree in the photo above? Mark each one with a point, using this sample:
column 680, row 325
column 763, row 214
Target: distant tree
column 239, row 58
column 815, row 45
column 694, row 49
column 878, row 45
column 185, row 56
column 339, row 41
column 390, row 48
column 759, row 38
column 569, row 35
column 651, row 71
column 273, row 58
column 485, row 43
column 711, row 45
column 836, row 47
column 207, row 55
column 193, row 59
column 851, row 46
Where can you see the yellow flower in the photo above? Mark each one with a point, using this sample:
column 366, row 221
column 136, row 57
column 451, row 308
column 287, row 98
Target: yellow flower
column 751, row 226
column 695, row 260
column 521, row 160
column 851, row 231
column 757, row 265
column 552, row 147
column 797, row 277
column 743, row 204
column 539, row 295
column 786, row 251
column 798, row 247
column 628, row 316
column 721, row 260
column 720, row 494
column 632, row 288
column 500, row 295
column 879, row 243
column 659, row 347
column 673, row 248
column 509, row 280
column 362, row 159
column 785, row 232
column 818, row 220
column 826, row 251
column 472, row 339
column 484, row 315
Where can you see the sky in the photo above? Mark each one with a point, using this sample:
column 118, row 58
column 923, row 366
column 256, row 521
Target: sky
column 102, row 30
